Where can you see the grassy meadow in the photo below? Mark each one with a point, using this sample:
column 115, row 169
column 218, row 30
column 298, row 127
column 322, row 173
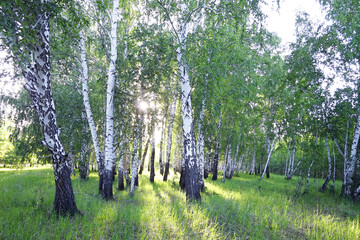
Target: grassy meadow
column 240, row 208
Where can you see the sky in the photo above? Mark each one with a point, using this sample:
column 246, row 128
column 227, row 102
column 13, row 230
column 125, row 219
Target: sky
column 282, row 21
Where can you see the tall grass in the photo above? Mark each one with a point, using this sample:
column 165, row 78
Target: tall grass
column 240, row 208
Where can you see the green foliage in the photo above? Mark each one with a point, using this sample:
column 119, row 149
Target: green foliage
column 234, row 209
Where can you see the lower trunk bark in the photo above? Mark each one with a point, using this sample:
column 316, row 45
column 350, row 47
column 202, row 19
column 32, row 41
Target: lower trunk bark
column 328, row 177
column 107, row 192
column 64, row 201
column 152, row 161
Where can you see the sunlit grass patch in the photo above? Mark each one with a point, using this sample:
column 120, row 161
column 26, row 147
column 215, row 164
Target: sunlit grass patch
column 240, row 208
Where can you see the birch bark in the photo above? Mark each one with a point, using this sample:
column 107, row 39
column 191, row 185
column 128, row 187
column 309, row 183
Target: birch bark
column 109, row 161
column 37, row 83
column 269, row 153
column 217, row 150
column 191, row 171
column 200, row 140
column 169, row 139
column 89, row 115
column 328, row 176
column 350, row 165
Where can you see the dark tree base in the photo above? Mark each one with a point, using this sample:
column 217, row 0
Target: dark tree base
column 152, row 167
column 182, row 179
column 107, row 192
column 64, row 201
column 166, row 173
column 121, row 186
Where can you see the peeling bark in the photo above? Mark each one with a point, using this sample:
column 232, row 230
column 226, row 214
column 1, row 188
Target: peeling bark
column 37, row 78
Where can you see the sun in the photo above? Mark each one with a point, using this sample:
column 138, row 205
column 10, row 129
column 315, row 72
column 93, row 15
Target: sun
column 143, row 106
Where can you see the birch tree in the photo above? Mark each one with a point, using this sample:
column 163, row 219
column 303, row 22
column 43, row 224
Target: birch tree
column 37, row 83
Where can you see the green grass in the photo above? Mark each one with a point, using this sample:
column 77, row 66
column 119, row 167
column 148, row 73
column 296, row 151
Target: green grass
column 241, row 208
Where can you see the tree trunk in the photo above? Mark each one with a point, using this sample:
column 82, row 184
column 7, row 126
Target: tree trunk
column 37, row 78
column 269, row 153
column 234, row 167
column 84, row 161
column 109, row 137
column 228, row 172
column 89, row 116
column 182, row 173
column 290, row 175
column 152, row 160
column 135, row 162
column 332, row 189
column 286, row 161
column 161, row 147
column 169, row 140
column 144, row 156
column 121, row 174
column 127, row 171
column 217, row 150
column 253, row 163
column 200, row 140
column 328, row 177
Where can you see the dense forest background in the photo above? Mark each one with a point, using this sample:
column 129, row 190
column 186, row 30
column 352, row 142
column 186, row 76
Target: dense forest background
column 179, row 87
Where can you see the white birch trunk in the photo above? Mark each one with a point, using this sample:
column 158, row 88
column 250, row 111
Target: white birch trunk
column 350, row 164
column 287, row 161
column 236, row 155
column 37, row 83
column 191, row 171
column 269, row 153
column 89, row 116
column 328, row 177
column 135, row 162
column 253, row 162
column 169, row 138
column 200, row 141
column 228, row 169
column 109, row 160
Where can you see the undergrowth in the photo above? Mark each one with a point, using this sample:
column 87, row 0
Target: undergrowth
column 240, row 208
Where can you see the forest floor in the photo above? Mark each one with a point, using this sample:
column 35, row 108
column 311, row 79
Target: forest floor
column 240, row 208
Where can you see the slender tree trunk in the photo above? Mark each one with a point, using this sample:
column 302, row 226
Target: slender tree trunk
column 152, row 157
column 334, row 170
column 286, row 162
column 71, row 157
column 217, row 151
column 207, row 167
column 290, row 175
column 253, row 163
column 328, row 177
column 269, row 153
column 135, row 162
column 121, row 174
column 169, row 140
column 234, row 167
column 228, row 169
column 200, row 140
column 312, row 162
column 37, row 78
column 291, row 161
column 109, row 160
column 126, row 161
column 152, row 160
column 350, row 168
column 161, row 147
column 89, row 116
column 144, row 155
